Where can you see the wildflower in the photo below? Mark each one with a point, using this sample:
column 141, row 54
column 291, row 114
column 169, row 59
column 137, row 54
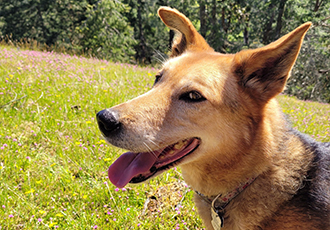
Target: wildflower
column 116, row 189
column 3, row 206
column 52, row 225
column 30, row 191
column 11, row 216
column 95, row 227
column 39, row 220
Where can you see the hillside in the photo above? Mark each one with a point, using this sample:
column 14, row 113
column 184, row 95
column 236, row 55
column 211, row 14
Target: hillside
column 53, row 160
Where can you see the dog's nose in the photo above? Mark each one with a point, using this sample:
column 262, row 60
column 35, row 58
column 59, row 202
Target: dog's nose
column 108, row 121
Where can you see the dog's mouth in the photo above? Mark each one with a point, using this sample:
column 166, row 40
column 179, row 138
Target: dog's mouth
column 137, row 167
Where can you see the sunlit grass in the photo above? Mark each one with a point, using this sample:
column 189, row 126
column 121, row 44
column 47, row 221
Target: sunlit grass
column 309, row 117
column 53, row 161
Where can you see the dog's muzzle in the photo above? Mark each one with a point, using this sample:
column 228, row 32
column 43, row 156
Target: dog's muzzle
column 107, row 120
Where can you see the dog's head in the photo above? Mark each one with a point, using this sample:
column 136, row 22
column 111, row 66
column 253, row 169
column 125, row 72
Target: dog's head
column 204, row 106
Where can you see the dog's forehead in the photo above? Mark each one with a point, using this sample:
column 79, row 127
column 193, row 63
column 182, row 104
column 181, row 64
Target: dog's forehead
column 198, row 64
column 199, row 60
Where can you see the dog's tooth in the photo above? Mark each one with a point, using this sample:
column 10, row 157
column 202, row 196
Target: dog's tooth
column 171, row 152
column 179, row 145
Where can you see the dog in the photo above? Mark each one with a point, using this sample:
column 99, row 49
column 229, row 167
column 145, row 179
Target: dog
column 215, row 115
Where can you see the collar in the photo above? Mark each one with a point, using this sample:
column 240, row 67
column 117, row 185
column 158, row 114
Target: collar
column 220, row 201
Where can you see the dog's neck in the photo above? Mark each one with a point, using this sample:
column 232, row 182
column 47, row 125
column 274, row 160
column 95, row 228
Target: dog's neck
column 223, row 200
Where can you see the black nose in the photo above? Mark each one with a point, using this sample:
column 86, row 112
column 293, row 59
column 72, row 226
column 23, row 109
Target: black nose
column 108, row 121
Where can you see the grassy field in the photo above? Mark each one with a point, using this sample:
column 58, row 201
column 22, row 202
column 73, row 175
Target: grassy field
column 53, row 160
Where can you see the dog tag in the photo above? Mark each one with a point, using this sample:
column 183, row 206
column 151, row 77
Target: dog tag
column 217, row 220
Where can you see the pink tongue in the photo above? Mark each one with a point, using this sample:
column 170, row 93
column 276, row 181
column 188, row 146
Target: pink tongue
column 129, row 165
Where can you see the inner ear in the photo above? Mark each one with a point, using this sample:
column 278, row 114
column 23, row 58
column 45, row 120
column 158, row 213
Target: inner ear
column 179, row 45
column 188, row 38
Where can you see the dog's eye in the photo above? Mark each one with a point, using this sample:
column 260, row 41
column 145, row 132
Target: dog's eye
column 158, row 76
column 192, row 96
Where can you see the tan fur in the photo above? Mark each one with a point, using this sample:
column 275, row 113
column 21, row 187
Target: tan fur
column 240, row 126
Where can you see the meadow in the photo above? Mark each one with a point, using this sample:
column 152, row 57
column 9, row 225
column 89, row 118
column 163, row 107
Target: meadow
column 53, row 160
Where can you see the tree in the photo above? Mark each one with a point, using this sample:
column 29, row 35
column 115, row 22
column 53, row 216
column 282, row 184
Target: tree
column 94, row 27
column 105, row 32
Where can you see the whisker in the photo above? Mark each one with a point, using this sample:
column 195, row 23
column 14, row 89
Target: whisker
column 156, row 145
column 150, row 149
column 161, row 57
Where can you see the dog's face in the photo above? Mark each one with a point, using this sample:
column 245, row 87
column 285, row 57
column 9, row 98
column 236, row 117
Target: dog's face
column 185, row 115
column 204, row 106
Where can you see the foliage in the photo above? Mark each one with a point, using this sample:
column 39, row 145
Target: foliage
column 87, row 27
column 130, row 30
column 311, row 74
column 42, row 20
column 105, row 32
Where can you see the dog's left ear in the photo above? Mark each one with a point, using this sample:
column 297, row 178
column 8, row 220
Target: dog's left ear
column 263, row 72
column 189, row 38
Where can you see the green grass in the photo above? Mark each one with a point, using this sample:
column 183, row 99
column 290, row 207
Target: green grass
column 53, row 160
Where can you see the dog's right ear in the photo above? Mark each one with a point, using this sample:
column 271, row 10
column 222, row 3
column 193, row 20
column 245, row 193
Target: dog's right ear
column 189, row 38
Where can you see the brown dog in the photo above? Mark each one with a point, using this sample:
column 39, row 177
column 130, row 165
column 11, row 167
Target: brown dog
column 215, row 115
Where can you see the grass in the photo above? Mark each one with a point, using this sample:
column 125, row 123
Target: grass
column 53, row 161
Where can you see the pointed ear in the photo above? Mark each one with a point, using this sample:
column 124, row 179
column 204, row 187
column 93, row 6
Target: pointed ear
column 189, row 38
column 263, row 72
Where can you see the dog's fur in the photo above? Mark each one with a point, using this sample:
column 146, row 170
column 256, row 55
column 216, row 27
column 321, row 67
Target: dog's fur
column 242, row 131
